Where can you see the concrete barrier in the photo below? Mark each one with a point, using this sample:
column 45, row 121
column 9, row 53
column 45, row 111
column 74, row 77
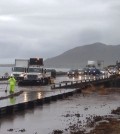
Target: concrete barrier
column 54, row 98
column 47, row 99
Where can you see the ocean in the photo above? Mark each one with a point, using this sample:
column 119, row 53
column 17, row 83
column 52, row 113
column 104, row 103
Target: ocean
column 4, row 70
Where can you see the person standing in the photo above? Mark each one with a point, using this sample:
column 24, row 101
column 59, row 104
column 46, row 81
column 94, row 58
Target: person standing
column 12, row 83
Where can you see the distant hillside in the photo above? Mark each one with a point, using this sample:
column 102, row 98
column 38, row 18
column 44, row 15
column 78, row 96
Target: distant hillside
column 79, row 56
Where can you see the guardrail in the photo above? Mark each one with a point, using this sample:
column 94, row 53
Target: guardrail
column 75, row 84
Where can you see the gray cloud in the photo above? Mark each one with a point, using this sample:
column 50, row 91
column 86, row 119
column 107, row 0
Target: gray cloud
column 45, row 28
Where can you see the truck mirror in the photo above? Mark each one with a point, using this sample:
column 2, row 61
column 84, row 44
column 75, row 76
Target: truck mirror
column 45, row 71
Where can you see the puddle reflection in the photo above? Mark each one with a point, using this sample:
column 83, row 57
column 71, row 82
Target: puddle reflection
column 12, row 100
column 39, row 95
column 25, row 96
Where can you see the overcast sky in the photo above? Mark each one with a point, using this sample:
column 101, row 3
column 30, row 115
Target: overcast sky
column 47, row 28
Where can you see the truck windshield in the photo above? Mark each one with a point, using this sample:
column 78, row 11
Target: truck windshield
column 37, row 70
column 19, row 69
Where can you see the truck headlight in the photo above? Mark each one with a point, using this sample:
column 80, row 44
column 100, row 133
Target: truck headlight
column 21, row 75
column 39, row 76
column 25, row 76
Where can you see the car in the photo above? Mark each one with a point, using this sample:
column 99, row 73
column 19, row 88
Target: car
column 104, row 72
column 94, row 71
column 73, row 73
column 86, row 71
column 91, row 71
column 80, row 71
column 113, row 71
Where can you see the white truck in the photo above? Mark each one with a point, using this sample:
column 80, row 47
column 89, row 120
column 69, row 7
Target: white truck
column 31, row 72
column 91, row 63
column 20, row 68
column 36, row 70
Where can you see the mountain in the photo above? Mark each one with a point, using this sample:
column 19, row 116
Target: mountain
column 79, row 56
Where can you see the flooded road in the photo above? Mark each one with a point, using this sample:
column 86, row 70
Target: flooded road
column 58, row 115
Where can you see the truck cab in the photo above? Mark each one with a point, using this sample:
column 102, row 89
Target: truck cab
column 19, row 72
column 34, row 73
column 20, row 68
